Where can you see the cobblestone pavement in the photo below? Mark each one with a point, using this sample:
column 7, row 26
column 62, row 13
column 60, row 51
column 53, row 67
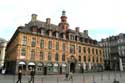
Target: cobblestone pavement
column 98, row 77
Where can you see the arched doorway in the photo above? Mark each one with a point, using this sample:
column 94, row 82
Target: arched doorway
column 72, row 67
column 72, row 64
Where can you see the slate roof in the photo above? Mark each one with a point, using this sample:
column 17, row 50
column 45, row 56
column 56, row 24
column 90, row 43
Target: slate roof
column 41, row 24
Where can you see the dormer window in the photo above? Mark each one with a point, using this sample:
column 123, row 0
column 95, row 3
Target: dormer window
column 71, row 37
column 50, row 33
column 57, row 34
column 64, row 36
column 42, row 31
column 77, row 38
column 34, row 29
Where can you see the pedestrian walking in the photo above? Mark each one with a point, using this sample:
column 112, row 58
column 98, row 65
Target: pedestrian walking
column 70, row 75
column 19, row 76
column 32, row 73
column 66, row 76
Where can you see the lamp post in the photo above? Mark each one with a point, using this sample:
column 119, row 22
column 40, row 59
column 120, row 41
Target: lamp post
column 115, row 64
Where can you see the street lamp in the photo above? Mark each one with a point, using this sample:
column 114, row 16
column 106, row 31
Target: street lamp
column 115, row 64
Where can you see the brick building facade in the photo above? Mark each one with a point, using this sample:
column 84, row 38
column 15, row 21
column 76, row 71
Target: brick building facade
column 51, row 48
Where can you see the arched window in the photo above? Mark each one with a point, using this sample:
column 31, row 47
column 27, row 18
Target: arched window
column 63, row 57
column 56, row 57
column 49, row 56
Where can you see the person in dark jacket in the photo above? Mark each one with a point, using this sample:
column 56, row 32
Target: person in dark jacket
column 19, row 76
column 32, row 73
column 66, row 76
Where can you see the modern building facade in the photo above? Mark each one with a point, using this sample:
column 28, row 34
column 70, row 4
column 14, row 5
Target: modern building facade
column 3, row 44
column 114, row 52
column 51, row 48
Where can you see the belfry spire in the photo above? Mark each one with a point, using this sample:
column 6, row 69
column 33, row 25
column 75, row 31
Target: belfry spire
column 63, row 24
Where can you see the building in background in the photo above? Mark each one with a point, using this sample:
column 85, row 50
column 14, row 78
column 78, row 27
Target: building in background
column 51, row 48
column 114, row 52
column 3, row 44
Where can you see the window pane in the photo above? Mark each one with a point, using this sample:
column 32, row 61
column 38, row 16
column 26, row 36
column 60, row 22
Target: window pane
column 56, row 57
column 23, row 52
column 72, row 48
column 63, row 47
column 49, row 56
column 49, row 44
column 79, row 49
column 33, row 42
column 32, row 55
column 63, row 57
column 57, row 45
column 96, row 51
column 84, row 49
column 84, row 58
column 41, row 55
column 79, row 58
column 89, row 50
column 24, row 39
column 42, row 44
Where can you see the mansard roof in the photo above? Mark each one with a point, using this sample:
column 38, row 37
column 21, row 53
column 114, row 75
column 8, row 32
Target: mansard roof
column 41, row 24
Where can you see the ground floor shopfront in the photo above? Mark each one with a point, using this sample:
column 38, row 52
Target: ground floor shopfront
column 44, row 68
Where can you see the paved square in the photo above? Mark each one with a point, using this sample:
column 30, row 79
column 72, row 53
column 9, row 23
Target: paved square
column 98, row 77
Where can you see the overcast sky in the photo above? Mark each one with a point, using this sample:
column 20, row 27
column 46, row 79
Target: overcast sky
column 102, row 18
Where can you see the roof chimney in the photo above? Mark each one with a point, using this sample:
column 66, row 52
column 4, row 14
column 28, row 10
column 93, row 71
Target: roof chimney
column 77, row 29
column 48, row 20
column 34, row 17
column 85, row 33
